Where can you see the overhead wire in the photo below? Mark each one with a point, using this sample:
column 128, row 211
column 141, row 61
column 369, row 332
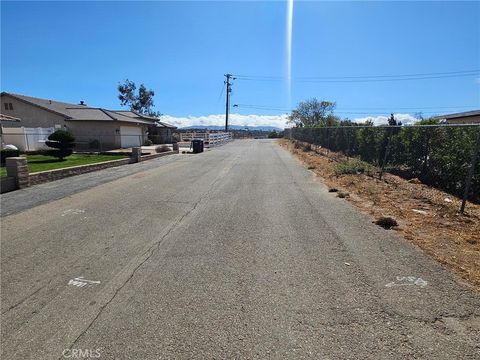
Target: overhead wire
column 364, row 78
column 352, row 110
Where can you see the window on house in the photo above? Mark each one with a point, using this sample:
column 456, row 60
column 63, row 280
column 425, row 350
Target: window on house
column 6, row 106
column 10, row 106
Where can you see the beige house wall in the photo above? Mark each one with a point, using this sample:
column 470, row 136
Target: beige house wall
column 14, row 136
column 31, row 116
column 85, row 131
column 106, row 132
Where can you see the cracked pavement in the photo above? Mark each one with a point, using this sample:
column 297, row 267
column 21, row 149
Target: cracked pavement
column 239, row 252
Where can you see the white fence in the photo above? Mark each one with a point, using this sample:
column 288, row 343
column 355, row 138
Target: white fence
column 26, row 139
column 215, row 139
column 210, row 139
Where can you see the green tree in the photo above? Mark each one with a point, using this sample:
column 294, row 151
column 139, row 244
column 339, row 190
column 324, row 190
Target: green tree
column 439, row 156
column 273, row 135
column 393, row 122
column 313, row 113
column 345, row 137
column 141, row 101
column 428, row 121
column 63, row 142
column 388, row 148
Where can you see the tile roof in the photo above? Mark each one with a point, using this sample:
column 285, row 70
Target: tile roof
column 8, row 118
column 460, row 114
column 120, row 117
column 126, row 113
column 52, row 105
column 136, row 115
column 87, row 114
column 162, row 124
column 74, row 112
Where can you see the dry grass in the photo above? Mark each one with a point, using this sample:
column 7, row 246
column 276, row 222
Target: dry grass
column 435, row 226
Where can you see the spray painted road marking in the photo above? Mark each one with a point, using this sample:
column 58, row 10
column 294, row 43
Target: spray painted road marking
column 81, row 282
column 407, row 281
column 73, row 212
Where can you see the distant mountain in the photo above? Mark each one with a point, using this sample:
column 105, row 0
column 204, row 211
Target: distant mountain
column 232, row 127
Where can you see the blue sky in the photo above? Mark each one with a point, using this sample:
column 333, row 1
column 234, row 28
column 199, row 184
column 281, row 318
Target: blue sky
column 75, row 51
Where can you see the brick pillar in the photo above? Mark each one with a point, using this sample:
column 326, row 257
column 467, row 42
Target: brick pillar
column 136, row 154
column 17, row 168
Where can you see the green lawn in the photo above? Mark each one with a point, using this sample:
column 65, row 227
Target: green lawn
column 38, row 163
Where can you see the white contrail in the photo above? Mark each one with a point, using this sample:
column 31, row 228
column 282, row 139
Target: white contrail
column 289, row 49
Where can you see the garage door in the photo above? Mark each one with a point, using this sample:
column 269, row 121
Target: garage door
column 130, row 136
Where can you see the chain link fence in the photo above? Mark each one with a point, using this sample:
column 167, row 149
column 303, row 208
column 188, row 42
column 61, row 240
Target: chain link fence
column 442, row 156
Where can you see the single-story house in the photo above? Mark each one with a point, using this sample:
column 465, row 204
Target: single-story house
column 159, row 132
column 467, row 117
column 11, row 125
column 9, row 120
column 94, row 128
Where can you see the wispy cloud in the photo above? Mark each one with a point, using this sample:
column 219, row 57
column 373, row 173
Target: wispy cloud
column 279, row 121
column 234, row 119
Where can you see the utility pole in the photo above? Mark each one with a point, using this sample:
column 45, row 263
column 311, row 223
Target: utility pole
column 227, row 104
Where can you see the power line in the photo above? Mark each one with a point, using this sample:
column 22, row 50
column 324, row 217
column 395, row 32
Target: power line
column 370, row 108
column 415, row 108
column 350, row 110
column 390, row 79
column 366, row 78
column 221, row 92
column 262, row 107
column 460, row 72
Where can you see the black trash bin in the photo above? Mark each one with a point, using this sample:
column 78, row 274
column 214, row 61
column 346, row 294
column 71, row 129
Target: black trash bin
column 197, row 145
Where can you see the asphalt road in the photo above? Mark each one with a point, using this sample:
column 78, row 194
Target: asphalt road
column 239, row 252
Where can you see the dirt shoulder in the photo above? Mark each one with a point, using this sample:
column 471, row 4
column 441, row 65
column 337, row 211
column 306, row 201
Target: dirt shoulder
column 426, row 217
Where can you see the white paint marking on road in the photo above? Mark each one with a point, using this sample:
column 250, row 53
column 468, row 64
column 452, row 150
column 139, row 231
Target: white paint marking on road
column 407, row 281
column 81, row 282
column 73, row 212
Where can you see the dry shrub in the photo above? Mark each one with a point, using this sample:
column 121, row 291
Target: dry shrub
column 386, row 222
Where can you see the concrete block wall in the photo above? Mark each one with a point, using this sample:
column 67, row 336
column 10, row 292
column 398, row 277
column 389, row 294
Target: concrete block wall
column 17, row 168
column 19, row 178
column 51, row 175
column 136, row 154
